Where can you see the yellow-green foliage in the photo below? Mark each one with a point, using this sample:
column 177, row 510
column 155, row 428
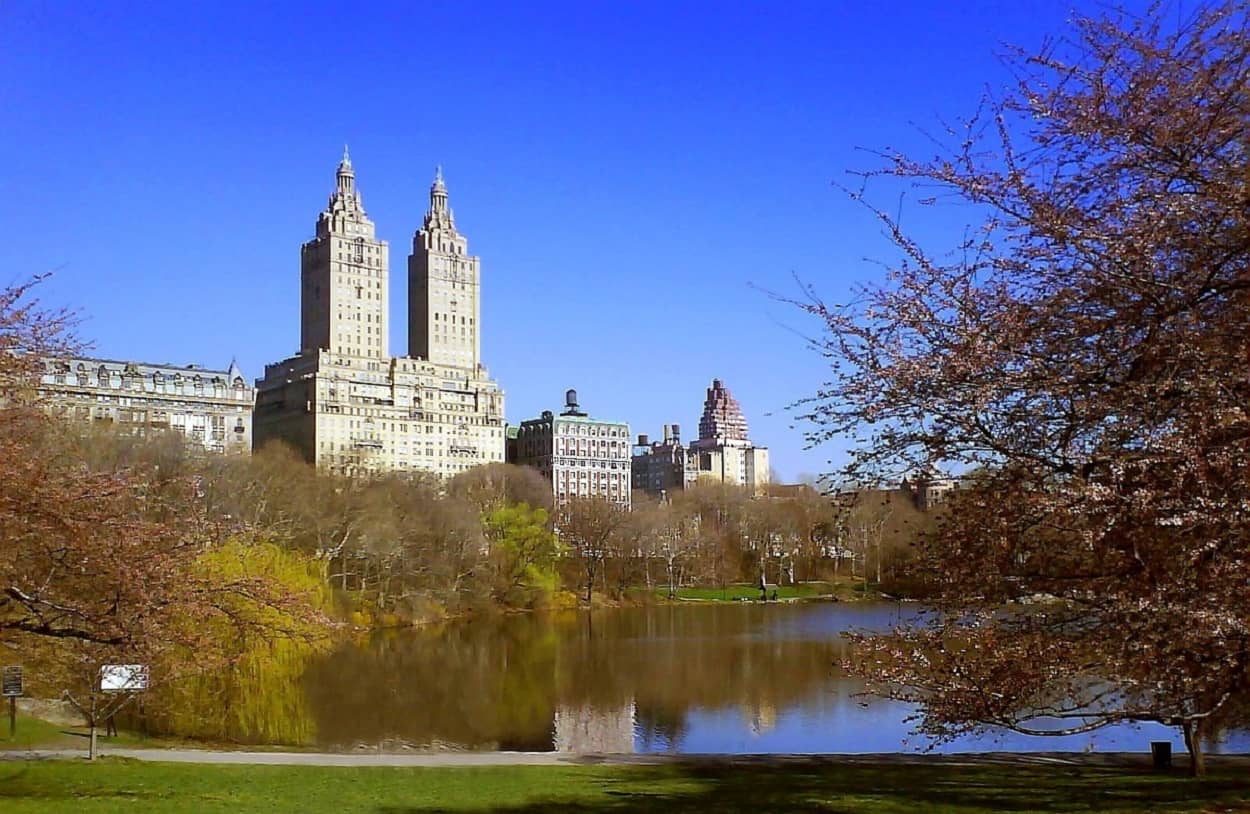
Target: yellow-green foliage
column 258, row 696
column 523, row 555
column 293, row 572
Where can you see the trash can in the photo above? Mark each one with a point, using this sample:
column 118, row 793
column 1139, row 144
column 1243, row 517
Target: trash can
column 1161, row 754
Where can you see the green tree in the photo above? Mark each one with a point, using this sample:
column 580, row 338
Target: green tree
column 523, row 552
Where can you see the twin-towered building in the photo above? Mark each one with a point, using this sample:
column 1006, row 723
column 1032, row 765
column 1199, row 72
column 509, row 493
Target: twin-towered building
column 343, row 401
column 348, row 406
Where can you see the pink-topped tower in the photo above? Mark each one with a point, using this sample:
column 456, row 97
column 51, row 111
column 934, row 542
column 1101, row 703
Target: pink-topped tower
column 722, row 422
column 724, row 451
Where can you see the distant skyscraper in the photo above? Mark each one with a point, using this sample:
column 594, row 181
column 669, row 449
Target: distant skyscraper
column 724, row 451
column 347, row 405
column 443, row 303
column 722, row 421
column 343, row 275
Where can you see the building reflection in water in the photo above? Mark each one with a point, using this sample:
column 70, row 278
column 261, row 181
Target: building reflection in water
column 590, row 730
column 622, row 681
column 760, row 717
column 719, row 678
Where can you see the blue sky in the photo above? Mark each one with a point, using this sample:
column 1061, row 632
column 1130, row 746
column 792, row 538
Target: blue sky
column 630, row 174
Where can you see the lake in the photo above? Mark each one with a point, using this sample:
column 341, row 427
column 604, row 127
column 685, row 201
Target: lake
column 723, row 678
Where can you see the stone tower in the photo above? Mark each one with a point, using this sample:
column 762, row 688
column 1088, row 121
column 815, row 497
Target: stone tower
column 343, row 270
column 444, row 305
column 722, row 421
column 724, row 451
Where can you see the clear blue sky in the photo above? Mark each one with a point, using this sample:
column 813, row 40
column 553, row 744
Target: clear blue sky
column 626, row 172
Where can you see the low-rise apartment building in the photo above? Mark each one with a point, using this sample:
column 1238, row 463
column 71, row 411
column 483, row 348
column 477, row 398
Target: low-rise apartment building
column 212, row 408
column 581, row 456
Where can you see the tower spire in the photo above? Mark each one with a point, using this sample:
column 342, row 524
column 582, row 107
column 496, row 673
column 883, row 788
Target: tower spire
column 439, row 212
column 345, row 179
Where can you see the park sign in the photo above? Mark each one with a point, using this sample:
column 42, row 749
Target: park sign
column 123, row 677
column 11, row 682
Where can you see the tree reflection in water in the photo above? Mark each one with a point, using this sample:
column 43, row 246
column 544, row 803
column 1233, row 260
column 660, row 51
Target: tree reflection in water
column 575, row 679
column 684, row 678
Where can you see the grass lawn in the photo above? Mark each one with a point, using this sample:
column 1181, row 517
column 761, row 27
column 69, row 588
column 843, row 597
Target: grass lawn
column 30, row 732
column 784, row 787
column 35, row 733
column 804, row 590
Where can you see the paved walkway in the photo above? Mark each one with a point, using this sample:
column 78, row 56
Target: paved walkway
column 312, row 758
column 452, row 759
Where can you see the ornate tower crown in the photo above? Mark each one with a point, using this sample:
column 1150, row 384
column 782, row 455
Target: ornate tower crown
column 439, row 215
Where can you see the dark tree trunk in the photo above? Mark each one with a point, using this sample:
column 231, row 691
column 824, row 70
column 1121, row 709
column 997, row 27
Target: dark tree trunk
column 1193, row 743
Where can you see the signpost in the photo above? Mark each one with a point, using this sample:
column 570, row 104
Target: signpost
column 11, row 688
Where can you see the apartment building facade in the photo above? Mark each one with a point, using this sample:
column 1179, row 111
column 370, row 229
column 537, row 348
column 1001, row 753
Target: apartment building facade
column 211, row 408
column 581, row 456
column 343, row 401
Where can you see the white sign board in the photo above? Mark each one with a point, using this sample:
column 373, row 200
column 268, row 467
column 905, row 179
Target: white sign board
column 123, row 677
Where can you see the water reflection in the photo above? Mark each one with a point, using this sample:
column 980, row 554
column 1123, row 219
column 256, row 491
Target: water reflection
column 528, row 682
column 720, row 678
column 589, row 729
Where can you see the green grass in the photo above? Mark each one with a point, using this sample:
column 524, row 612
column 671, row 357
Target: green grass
column 35, row 733
column 30, row 732
column 734, row 593
column 777, row 787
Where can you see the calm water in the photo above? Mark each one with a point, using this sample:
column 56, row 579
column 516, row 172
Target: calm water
column 718, row 678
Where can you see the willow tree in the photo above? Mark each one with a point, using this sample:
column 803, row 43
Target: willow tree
column 103, row 559
column 1085, row 350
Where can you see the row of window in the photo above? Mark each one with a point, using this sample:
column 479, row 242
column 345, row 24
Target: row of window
column 587, row 430
column 569, row 463
column 157, row 383
column 591, row 446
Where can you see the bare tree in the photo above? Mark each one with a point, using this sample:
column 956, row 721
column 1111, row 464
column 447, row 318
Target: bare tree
column 1084, row 348
column 590, row 528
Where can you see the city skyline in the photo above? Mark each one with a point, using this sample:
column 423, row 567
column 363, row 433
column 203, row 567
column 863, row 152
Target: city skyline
column 607, row 173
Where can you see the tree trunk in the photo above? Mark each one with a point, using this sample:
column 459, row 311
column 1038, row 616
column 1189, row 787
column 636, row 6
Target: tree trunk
column 1193, row 743
column 91, row 747
column 878, row 562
